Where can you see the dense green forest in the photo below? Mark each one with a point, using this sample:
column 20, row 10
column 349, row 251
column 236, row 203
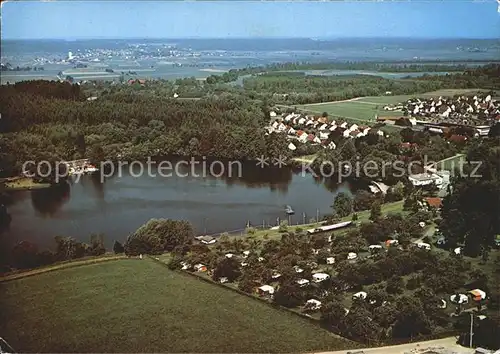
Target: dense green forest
column 382, row 67
column 44, row 120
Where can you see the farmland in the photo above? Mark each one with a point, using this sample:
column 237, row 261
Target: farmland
column 140, row 306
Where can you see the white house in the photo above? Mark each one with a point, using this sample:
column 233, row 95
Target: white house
column 275, row 125
column 319, row 277
column 457, row 251
column 291, row 131
column 246, row 254
column 331, row 145
column 360, row 295
column 289, row 117
column 272, row 114
column 353, row 127
column 309, row 122
column 200, row 267
column 317, row 140
column 275, row 275
column 313, row 304
column 425, row 179
column 323, row 127
column 302, row 121
column 346, row 133
column 185, row 266
column 344, row 125
column 303, row 137
column 330, row 260
column 333, row 127
column 324, row 135
column 229, row 255
column 292, row 147
column 282, row 127
column 223, row 280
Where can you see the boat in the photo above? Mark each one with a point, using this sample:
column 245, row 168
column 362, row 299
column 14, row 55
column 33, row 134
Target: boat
column 289, row 210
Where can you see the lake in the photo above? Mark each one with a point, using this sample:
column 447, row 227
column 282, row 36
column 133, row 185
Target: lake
column 119, row 205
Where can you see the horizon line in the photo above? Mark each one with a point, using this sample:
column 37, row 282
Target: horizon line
column 249, row 37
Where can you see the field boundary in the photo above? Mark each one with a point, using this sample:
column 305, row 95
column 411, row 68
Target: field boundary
column 59, row 266
column 255, row 298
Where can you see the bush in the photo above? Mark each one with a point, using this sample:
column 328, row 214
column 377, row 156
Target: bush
column 118, row 248
column 283, row 226
column 250, row 230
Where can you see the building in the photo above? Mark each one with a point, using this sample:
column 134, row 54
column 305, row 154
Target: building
column 434, row 202
column 425, row 179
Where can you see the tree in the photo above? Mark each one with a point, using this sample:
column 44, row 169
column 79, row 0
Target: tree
column 96, row 247
column 118, row 248
column 342, row 205
column 358, row 325
column 227, row 268
column 395, row 285
column 332, row 315
column 289, row 294
column 159, row 235
column 410, row 318
column 363, row 200
column 376, row 211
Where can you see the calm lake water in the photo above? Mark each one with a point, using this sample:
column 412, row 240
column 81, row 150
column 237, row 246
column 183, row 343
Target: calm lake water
column 120, row 205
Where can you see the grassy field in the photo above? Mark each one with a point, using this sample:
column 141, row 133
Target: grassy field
column 23, row 183
column 141, row 306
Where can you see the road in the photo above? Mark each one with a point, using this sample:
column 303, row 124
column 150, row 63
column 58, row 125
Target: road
column 445, row 346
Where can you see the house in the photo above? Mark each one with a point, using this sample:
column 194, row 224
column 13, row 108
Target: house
column 425, row 179
column 457, row 251
column 302, row 282
column 319, row 277
column 301, row 121
column 434, row 202
column 200, row 268
column 331, row 145
column 323, row 127
column 229, row 255
column 360, row 296
column 311, row 137
column 333, row 127
column 266, row 290
column 309, row 122
column 323, row 120
column 223, row 280
column 324, row 135
column 316, row 140
column 346, row 133
column 292, row 147
column 185, row 266
column 246, row 254
column 272, row 114
column 344, row 125
column 330, row 260
column 291, row 131
column 354, row 127
column 303, row 136
column 313, row 304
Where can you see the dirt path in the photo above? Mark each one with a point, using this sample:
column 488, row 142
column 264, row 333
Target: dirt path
column 447, row 345
column 71, row 264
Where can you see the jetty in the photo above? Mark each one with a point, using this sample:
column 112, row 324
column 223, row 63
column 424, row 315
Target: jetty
column 339, row 225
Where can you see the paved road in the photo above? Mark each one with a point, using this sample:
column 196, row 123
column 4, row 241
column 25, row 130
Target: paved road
column 445, row 345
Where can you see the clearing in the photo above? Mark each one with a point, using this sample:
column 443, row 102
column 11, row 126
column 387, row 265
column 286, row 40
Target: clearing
column 137, row 305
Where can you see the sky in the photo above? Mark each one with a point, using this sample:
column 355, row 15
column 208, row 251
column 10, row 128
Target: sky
column 223, row 19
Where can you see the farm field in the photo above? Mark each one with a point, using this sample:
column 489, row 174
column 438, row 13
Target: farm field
column 141, row 306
